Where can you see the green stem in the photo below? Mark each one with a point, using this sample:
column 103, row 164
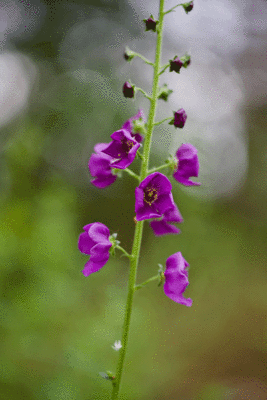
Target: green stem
column 139, row 225
column 124, row 251
column 143, row 58
column 130, row 172
column 143, row 92
column 164, row 68
column 156, row 277
column 160, row 122
column 156, row 169
column 139, row 154
column 172, row 9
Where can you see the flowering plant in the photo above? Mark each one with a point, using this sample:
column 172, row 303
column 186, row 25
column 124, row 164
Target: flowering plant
column 153, row 194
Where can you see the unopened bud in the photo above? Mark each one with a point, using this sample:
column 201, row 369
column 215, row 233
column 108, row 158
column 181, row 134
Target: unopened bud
column 188, row 6
column 151, row 24
column 128, row 54
column 128, row 90
column 179, row 118
column 176, row 64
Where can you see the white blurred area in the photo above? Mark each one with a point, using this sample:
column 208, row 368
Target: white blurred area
column 17, row 72
column 17, row 75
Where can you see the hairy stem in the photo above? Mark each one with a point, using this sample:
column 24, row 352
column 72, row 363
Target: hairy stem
column 139, row 225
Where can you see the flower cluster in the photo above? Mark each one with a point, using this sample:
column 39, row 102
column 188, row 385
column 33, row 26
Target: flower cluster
column 119, row 153
column 153, row 195
column 153, row 199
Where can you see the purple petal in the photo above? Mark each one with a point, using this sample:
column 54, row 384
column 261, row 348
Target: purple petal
column 128, row 125
column 91, row 267
column 99, row 233
column 163, row 228
column 142, row 209
column 139, row 138
column 158, row 181
column 99, row 164
column 114, row 149
column 188, row 165
column 85, row 243
column 100, row 252
column 176, row 279
column 103, row 181
column 99, row 147
column 173, row 215
column 184, row 181
column 164, row 202
column 121, row 134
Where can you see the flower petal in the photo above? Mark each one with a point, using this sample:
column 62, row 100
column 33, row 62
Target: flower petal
column 114, row 149
column 158, row 181
column 99, row 233
column 103, row 181
column 188, row 165
column 91, row 267
column 176, row 279
column 163, row 228
column 173, row 215
column 85, row 243
column 142, row 209
column 99, row 164
column 99, row 147
column 164, row 203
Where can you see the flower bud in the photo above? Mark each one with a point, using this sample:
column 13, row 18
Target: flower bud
column 164, row 92
column 176, row 64
column 179, row 118
column 188, row 6
column 128, row 54
column 128, row 90
column 151, row 24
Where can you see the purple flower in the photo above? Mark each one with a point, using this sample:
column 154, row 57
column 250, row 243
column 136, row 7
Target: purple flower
column 176, row 65
column 153, row 197
column 188, row 165
column 129, row 125
column 100, row 167
column 163, row 226
column 95, row 242
column 128, row 90
column 176, row 279
column 179, row 118
column 123, row 149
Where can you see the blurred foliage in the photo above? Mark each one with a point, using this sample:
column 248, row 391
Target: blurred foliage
column 57, row 327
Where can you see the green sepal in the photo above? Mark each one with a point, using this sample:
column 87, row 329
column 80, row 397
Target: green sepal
column 164, row 92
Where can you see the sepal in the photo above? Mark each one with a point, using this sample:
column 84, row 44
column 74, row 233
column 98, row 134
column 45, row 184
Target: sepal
column 164, row 92
column 161, row 275
column 107, row 375
column 114, row 242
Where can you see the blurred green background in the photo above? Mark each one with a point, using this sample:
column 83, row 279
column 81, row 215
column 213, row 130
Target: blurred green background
column 57, row 327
